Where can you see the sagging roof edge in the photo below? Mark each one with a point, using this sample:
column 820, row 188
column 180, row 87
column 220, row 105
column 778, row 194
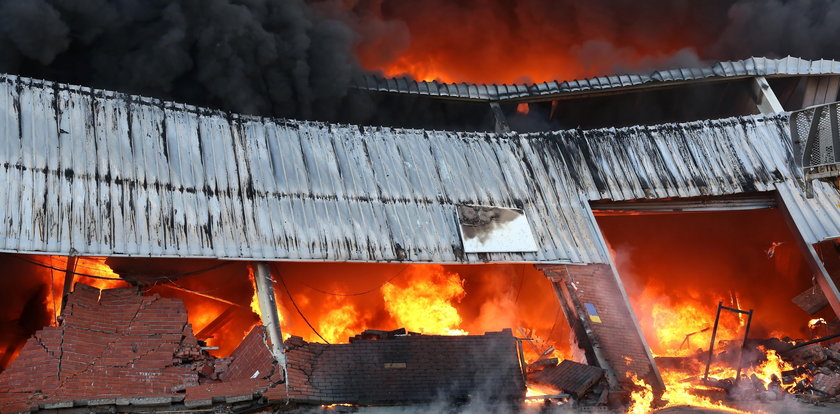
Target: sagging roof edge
column 386, row 179
column 754, row 66
column 292, row 260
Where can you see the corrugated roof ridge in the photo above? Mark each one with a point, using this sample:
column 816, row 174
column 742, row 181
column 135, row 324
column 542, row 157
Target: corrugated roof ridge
column 752, row 66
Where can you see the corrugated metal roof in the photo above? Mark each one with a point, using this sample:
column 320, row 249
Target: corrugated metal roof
column 703, row 158
column 755, row 66
column 817, row 218
column 103, row 174
column 100, row 173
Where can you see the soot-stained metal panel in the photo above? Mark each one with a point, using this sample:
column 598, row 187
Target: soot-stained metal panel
column 754, row 66
column 495, row 229
column 98, row 173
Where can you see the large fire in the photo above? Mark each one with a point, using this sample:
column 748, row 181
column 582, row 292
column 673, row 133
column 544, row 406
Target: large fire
column 524, row 41
column 424, row 300
column 339, row 300
column 675, row 293
column 678, row 267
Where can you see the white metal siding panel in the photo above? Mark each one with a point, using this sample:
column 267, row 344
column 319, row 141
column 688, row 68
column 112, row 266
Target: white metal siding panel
column 99, row 173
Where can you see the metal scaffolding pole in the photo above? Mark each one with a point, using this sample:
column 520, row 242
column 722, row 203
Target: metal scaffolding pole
column 268, row 310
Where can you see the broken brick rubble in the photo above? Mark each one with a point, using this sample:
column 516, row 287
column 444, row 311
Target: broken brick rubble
column 116, row 347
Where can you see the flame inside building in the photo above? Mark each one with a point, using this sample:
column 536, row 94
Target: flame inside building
column 654, row 256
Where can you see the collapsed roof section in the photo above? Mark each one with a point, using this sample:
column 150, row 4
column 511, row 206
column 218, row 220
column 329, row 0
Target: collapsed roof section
column 725, row 89
column 754, row 66
column 104, row 174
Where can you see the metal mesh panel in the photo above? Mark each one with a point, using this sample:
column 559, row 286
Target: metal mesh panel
column 816, row 135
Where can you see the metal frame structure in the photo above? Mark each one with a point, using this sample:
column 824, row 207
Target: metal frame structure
column 714, row 334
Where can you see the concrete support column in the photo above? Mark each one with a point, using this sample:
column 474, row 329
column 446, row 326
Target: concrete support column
column 268, row 308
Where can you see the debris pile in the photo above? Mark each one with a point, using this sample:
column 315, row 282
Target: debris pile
column 116, row 350
column 115, row 347
column 814, row 373
column 773, row 370
column 570, row 381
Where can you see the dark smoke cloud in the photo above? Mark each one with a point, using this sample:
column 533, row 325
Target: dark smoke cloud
column 272, row 57
column 297, row 58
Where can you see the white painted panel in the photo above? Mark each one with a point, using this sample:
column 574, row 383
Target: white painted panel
column 495, row 229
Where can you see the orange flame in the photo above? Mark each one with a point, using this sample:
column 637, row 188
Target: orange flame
column 813, row 323
column 641, row 399
column 424, row 300
column 255, row 301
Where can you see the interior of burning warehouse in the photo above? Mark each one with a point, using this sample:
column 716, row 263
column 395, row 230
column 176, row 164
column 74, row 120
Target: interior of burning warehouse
column 621, row 313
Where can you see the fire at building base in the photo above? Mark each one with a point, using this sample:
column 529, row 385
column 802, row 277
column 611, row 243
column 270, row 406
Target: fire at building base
column 158, row 257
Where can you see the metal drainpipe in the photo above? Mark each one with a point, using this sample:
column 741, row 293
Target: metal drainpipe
column 268, row 309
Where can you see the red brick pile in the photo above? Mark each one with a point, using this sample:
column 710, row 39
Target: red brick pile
column 116, row 350
column 116, row 347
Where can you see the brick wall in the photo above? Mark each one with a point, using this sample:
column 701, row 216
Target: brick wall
column 620, row 340
column 403, row 369
column 113, row 344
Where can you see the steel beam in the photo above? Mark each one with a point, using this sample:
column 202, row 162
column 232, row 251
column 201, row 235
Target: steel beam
column 764, row 97
column 502, row 125
column 816, row 265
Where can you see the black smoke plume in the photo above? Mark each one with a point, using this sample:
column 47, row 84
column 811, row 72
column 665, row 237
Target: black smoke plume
column 271, row 57
column 297, row 58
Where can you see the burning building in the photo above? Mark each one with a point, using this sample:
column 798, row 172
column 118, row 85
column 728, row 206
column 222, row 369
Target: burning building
column 164, row 255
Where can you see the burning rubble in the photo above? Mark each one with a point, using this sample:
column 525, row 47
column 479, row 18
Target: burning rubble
column 154, row 341
column 118, row 348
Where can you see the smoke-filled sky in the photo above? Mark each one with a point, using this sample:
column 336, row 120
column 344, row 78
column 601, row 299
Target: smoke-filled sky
column 296, row 58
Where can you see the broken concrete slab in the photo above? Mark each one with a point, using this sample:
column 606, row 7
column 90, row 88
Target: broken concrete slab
column 826, row 384
column 569, row 376
column 811, row 300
